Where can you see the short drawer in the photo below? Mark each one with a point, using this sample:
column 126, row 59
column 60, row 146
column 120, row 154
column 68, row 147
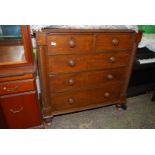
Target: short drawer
column 74, row 63
column 67, row 44
column 80, row 99
column 20, row 110
column 83, row 80
column 110, row 41
column 16, row 86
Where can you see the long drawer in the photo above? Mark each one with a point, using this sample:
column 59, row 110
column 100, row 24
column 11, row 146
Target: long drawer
column 82, row 80
column 73, row 63
column 16, row 86
column 83, row 98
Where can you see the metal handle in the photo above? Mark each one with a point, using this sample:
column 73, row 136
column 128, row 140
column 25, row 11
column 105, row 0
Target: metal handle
column 106, row 94
column 110, row 77
column 112, row 59
column 71, row 82
column 10, row 89
column 16, row 111
column 71, row 101
column 115, row 42
column 72, row 43
column 71, row 63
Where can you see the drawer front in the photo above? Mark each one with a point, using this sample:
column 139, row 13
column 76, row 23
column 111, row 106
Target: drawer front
column 16, row 86
column 73, row 63
column 81, row 99
column 20, row 111
column 13, row 78
column 111, row 41
column 63, row 44
column 92, row 79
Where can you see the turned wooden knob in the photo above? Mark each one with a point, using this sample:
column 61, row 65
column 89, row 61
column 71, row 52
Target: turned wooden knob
column 71, row 82
column 112, row 59
column 106, row 94
column 72, row 43
column 110, row 77
column 71, row 63
column 71, row 101
column 115, row 42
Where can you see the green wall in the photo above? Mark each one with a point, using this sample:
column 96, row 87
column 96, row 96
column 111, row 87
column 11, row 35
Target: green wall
column 147, row 28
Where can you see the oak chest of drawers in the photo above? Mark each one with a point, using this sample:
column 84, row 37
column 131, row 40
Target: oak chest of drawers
column 82, row 69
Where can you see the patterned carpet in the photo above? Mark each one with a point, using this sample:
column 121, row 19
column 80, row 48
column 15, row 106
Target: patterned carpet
column 139, row 115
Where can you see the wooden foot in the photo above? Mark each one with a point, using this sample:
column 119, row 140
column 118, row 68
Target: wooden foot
column 48, row 121
column 121, row 106
column 153, row 97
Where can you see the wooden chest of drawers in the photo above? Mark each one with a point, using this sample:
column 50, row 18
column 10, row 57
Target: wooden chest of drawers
column 82, row 69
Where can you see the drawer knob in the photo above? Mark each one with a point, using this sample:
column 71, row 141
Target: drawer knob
column 115, row 42
column 72, row 43
column 71, row 63
column 4, row 88
column 16, row 111
column 10, row 89
column 71, row 82
column 71, row 101
column 110, row 77
column 112, row 59
column 107, row 94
